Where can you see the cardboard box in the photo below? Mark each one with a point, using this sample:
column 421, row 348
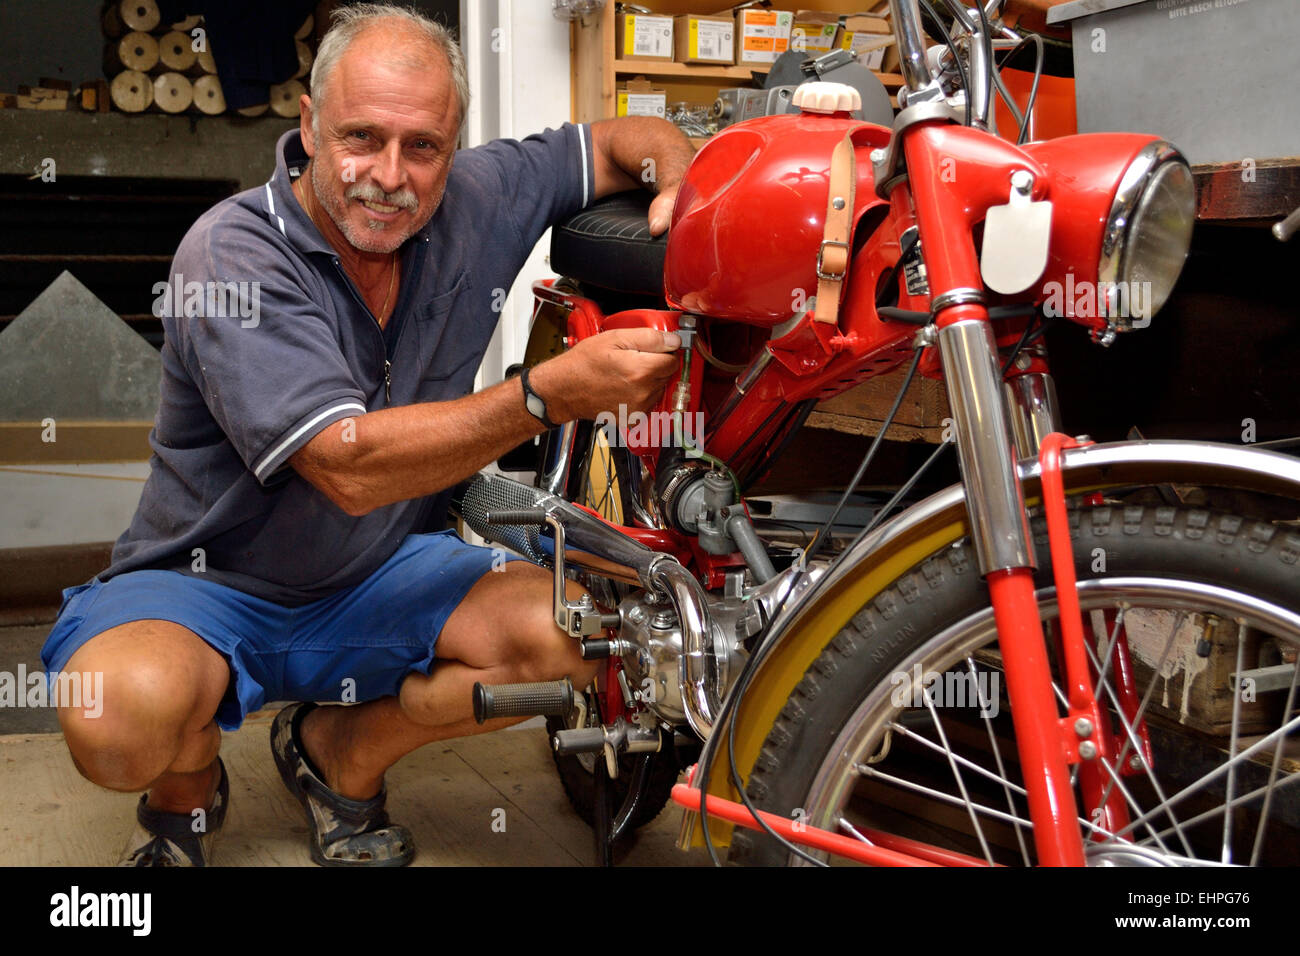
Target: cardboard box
column 762, row 35
column 867, row 38
column 814, row 32
column 704, row 39
column 643, row 37
column 640, row 98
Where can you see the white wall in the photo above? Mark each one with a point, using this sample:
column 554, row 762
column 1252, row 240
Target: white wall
column 517, row 55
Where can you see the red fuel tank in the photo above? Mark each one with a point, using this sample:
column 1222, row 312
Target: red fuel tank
column 750, row 213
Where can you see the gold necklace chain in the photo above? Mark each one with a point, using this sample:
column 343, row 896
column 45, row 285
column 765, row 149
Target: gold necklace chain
column 392, row 275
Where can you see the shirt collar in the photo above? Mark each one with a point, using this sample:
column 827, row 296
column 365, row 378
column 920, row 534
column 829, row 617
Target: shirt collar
column 281, row 204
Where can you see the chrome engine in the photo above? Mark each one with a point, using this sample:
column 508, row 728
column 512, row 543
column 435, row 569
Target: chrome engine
column 682, row 647
column 651, row 645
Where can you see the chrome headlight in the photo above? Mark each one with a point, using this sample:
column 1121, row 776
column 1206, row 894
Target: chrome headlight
column 1148, row 233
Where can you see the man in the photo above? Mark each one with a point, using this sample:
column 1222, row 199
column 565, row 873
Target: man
column 295, row 452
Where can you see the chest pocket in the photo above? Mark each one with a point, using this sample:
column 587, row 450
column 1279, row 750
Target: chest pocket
column 448, row 337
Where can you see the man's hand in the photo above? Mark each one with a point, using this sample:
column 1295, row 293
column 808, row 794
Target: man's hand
column 661, row 209
column 641, row 152
column 629, row 367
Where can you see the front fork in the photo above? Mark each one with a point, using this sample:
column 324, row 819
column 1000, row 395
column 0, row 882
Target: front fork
column 995, row 422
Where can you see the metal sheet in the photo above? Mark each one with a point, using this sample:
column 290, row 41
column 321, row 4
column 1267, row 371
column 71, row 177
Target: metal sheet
column 69, row 356
column 1214, row 77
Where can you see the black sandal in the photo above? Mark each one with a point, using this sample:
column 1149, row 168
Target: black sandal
column 177, row 839
column 344, row 832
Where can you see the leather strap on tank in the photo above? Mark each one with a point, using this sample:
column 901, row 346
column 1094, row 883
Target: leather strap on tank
column 833, row 254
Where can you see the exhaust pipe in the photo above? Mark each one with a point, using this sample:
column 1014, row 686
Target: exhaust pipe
column 602, row 549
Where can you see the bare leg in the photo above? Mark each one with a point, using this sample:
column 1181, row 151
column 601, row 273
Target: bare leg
column 502, row 632
column 162, row 686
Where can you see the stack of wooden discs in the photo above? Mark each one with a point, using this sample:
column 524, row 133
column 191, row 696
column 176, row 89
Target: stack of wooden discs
column 170, row 68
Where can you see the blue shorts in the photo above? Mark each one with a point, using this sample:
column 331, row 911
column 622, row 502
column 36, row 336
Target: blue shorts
column 352, row 646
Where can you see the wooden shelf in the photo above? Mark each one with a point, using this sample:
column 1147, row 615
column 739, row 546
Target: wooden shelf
column 595, row 71
column 695, row 71
column 701, row 71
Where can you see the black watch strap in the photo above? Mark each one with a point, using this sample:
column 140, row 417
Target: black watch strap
column 533, row 402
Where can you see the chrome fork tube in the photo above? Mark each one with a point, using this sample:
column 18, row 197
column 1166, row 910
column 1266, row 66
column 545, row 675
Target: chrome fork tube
column 985, row 447
column 559, row 462
column 1035, row 413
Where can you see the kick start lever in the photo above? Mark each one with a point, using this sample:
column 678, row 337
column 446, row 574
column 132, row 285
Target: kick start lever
column 576, row 619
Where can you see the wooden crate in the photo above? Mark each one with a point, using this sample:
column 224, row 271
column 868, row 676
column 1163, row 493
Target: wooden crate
column 862, row 409
column 1192, row 690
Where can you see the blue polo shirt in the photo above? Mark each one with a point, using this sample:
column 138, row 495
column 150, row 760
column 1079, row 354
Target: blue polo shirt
column 251, row 373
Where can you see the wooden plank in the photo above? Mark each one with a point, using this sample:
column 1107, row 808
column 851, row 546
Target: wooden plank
column 445, row 793
column 518, row 763
column 41, row 98
column 851, row 425
column 861, row 410
column 21, row 442
column 32, row 579
column 1263, row 189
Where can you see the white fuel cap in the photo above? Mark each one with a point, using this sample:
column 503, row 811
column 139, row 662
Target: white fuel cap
column 826, row 98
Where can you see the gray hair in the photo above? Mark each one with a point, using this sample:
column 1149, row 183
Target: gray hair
column 348, row 22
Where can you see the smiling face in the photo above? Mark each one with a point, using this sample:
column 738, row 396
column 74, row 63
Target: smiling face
column 384, row 139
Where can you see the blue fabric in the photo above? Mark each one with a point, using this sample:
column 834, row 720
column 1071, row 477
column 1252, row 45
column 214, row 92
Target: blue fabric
column 241, row 394
column 372, row 634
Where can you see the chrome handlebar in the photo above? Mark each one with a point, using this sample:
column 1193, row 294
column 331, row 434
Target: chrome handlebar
column 921, row 82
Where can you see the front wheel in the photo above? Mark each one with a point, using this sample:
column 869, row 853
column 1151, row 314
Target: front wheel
column 902, row 725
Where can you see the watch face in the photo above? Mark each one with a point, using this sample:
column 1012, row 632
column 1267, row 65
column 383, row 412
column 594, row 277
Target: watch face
column 536, row 407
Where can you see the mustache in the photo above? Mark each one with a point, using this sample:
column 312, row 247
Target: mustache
column 403, row 198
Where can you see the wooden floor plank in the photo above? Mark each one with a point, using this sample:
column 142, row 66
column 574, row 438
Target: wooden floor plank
column 445, row 793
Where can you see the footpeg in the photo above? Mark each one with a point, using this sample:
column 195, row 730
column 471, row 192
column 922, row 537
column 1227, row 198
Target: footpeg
column 614, row 739
column 583, row 740
column 541, row 699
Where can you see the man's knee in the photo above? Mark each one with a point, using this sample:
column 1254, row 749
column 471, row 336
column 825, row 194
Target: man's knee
column 545, row 652
column 154, row 683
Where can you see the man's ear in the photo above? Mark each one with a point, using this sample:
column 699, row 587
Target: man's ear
column 304, row 126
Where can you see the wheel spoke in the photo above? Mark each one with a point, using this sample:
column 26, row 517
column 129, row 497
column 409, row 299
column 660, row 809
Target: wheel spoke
column 1272, row 772
column 1232, row 745
column 964, row 761
column 1110, row 651
column 1236, row 802
column 997, row 757
column 1128, row 798
column 1200, row 783
column 1014, row 819
column 853, row 831
column 1130, row 733
column 1146, row 698
column 961, row 784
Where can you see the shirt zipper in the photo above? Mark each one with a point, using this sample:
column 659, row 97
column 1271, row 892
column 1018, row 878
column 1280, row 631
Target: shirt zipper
column 388, row 365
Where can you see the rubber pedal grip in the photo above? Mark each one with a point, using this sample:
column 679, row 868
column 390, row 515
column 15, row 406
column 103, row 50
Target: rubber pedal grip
column 540, row 699
column 581, row 740
column 517, row 516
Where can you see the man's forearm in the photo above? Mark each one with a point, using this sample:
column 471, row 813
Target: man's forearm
column 411, row 451
column 651, row 153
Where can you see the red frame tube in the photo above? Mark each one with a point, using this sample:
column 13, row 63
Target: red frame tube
column 805, row 835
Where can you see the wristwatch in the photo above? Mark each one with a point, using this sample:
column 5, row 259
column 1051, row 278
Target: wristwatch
column 535, row 404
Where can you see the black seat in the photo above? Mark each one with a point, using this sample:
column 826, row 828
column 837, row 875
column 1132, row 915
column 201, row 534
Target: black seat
column 608, row 244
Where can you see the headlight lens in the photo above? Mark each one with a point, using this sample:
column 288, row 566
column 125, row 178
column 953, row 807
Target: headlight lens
column 1147, row 235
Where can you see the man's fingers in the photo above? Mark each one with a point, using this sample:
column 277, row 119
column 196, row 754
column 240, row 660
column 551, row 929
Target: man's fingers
column 646, row 340
column 661, row 211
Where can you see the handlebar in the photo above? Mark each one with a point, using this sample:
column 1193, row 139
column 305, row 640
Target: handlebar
column 923, row 75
